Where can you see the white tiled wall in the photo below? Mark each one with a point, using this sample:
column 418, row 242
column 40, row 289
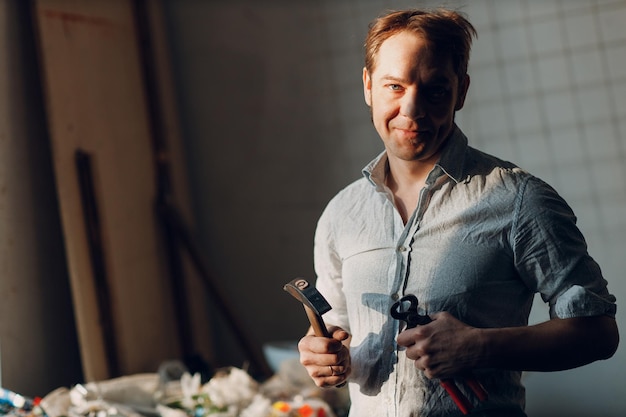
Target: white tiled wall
column 560, row 95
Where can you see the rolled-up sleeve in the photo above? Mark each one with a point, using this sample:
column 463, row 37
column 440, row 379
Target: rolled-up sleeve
column 552, row 258
column 579, row 301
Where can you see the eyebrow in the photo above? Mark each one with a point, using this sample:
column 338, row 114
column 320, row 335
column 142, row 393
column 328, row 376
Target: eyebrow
column 440, row 79
column 394, row 79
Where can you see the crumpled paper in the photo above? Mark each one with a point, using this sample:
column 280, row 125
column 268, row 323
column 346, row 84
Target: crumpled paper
column 128, row 396
column 231, row 392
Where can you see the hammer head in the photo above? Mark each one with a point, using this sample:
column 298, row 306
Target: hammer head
column 308, row 295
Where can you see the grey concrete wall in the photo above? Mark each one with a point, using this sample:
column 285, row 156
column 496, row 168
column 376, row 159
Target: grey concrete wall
column 261, row 121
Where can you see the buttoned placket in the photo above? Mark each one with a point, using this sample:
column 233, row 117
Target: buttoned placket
column 404, row 243
column 403, row 257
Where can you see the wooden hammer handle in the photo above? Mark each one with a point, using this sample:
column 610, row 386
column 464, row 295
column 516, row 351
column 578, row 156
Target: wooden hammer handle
column 316, row 322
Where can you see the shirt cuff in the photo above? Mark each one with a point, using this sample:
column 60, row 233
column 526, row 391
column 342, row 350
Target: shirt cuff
column 580, row 302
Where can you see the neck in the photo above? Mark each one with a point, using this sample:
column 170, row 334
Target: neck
column 408, row 174
column 406, row 180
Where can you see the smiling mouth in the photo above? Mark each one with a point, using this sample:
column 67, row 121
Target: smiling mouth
column 412, row 132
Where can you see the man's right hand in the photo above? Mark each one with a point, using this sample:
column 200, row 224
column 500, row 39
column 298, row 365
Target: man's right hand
column 326, row 359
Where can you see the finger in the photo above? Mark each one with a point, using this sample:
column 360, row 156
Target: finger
column 335, row 381
column 336, row 370
column 338, row 333
column 327, row 371
column 316, row 344
column 411, row 336
column 337, row 377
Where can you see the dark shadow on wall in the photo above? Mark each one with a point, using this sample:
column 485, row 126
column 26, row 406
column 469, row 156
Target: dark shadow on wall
column 47, row 355
column 252, row 80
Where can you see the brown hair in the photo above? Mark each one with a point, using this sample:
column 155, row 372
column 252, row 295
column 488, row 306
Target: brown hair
column 446, row 30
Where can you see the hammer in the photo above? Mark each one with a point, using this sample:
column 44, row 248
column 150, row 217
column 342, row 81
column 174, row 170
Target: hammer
column 314, row 303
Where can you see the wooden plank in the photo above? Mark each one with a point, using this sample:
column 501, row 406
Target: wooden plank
column 95, row 102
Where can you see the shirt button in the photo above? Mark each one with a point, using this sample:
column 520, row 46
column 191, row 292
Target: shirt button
column 395, row 297
column 401, row 249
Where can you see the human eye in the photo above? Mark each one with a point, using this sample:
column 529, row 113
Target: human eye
column 394, row 87
column 437, row 93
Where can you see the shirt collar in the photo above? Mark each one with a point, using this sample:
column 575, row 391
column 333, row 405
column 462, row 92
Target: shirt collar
column 451, row 162
column 452, row 159
column 376, row 171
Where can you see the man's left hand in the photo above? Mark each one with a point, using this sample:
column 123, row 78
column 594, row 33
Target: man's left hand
column 442, row 348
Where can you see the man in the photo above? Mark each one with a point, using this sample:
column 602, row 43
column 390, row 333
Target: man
column 472, row 236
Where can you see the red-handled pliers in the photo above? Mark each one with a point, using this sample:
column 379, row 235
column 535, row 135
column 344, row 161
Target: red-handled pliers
column 413, row 319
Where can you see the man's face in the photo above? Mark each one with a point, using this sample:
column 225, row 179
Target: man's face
column 413, row 95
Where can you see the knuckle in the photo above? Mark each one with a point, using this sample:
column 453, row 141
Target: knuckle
column 319, row 382
column 305, row 361
column 301, row 346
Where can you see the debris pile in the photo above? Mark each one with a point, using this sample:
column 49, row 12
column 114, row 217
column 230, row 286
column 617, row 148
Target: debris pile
column 13, row 404
column 230, row 392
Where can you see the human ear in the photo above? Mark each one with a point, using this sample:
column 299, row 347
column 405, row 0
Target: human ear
column 462, row 92
column 367, row 87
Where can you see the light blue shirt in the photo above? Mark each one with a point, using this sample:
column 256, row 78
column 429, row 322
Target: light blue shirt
column 485, row 237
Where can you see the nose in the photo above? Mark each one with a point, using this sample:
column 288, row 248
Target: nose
column 412, row 105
